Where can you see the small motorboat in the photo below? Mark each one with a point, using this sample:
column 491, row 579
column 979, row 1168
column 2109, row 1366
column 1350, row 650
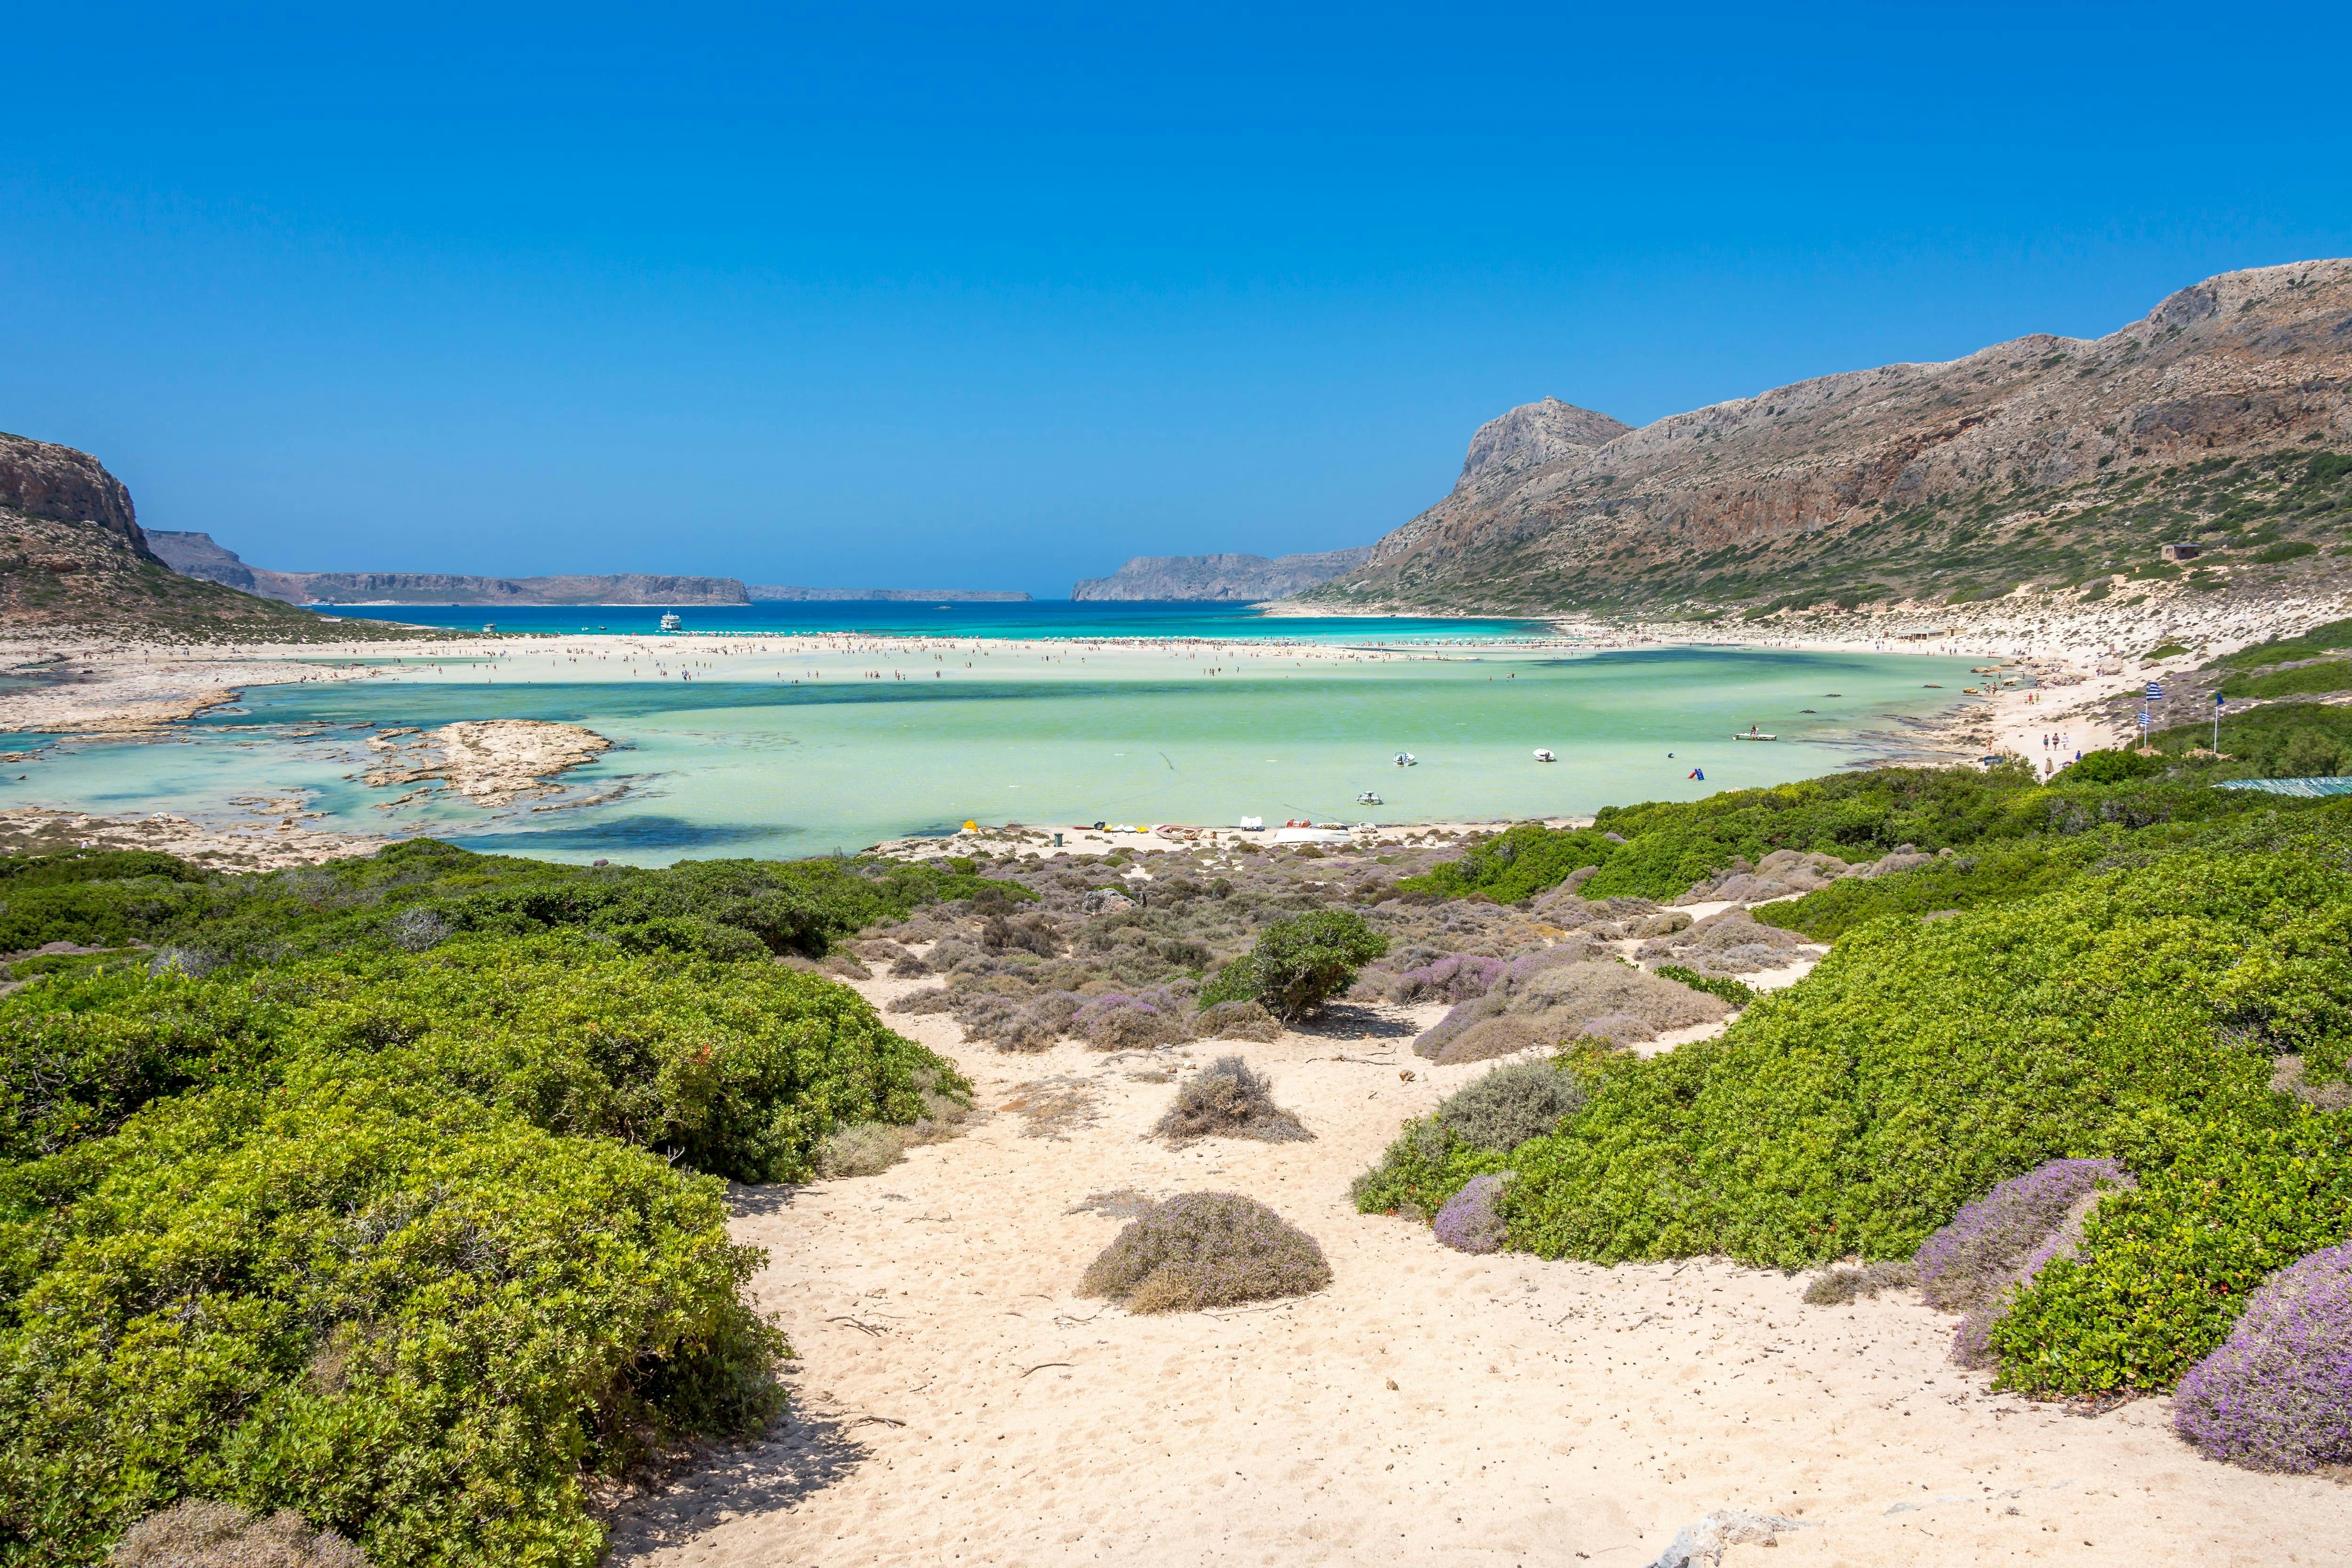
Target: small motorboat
column 1407, row 760
column 1544, row 754
column 1753, row 734
column 1368, row 798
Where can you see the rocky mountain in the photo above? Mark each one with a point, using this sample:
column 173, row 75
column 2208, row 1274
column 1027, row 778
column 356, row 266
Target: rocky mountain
column 2047, row 464
column 1222, row 579
column 74, row 559
column 198, row 555
column 774, row 594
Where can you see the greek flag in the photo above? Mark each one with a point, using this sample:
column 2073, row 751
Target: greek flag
column 2155, row 692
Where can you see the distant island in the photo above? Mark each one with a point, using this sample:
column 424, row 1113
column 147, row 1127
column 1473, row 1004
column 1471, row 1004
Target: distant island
column 199, row 556
column 1221, row 579
column 770, row 594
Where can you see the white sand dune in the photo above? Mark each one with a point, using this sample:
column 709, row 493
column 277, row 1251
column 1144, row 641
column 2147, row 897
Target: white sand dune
column 955, row 1404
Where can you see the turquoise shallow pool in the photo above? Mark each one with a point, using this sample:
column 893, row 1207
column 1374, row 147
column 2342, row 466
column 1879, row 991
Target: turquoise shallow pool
column 733, row 767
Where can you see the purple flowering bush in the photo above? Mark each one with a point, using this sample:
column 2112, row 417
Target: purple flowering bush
column 1457, row 977
column 1470, row 1221
column 1974, row 1260
column 1206, row 1249
column 2277, row 1395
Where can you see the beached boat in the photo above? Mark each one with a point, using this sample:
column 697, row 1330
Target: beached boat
column 1544, row 754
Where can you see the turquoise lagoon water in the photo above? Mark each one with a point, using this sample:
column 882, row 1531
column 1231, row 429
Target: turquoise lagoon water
column 1034, row 618
column 722, row 768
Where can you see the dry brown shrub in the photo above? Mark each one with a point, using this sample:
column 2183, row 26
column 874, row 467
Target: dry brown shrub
column 1206, row 1249
column 1237, row 1021
column 862, row 1149
column 195, row 1533
column 1836, row 1286
column 1228, row 1099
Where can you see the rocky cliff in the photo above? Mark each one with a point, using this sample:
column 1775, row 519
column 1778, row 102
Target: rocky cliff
column 2218, row 419
column 1221, row 579
column 73, row 559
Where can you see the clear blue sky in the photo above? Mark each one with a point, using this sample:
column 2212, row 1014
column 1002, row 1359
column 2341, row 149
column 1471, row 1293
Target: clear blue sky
column 998, row 296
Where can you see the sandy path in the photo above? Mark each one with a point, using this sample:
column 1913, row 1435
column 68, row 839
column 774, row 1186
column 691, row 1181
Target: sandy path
column 955, row 1404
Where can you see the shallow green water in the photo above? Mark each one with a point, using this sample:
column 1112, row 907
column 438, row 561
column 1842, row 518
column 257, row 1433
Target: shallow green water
column 720, row 767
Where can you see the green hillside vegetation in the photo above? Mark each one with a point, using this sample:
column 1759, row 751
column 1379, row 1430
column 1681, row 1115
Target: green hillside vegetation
column 2116, row 970
column 2305, row 680
column 2256, row 513
column 1660, row 849
column 392, row 1191
column 417, row 893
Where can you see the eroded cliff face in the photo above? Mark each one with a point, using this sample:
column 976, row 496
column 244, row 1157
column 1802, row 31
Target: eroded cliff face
column 2046, row 457
column 42, row 481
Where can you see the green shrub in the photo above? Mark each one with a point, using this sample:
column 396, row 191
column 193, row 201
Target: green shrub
column 1669, row 846
column 2318, row 640
column 1298, row 964
column 410, row 895
column 1425, row 1165
column 2165, row 1271
column 417, row 1320
column 1522, row 860
column 736, row 1069
column 2291, row 550
column 83, row 1050
column 2329, row 674
column 1920, row 1064
column 1738, row 993
column 1468, row 1135
column 2112, row 767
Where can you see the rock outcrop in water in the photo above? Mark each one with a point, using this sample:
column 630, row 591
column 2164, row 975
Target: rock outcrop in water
column 1219, row 579
column 2220, row 418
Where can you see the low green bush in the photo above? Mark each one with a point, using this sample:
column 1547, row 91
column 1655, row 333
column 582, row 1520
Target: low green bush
column 1920, row 1064
column 1298, row 964
column 1669, row 846
column 2165, row 1271
column 2112, row 767
column 412, row 895
column 2328, row 675
column 1738, row 993
column 414, row 1318
column 736, row 1069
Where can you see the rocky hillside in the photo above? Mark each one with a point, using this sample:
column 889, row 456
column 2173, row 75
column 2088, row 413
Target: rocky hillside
column 73, row 559
column 1222, row 579
column 2044, row 465
column 198, row 555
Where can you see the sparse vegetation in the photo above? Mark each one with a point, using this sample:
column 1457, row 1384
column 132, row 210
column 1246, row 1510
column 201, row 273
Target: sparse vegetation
column 1229, row 1098
column 1199, row 1250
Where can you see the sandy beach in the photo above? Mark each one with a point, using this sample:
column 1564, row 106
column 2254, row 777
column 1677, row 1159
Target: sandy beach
column 956, row 1402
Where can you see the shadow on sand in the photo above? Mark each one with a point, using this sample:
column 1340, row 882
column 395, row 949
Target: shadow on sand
column 799, row 1456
